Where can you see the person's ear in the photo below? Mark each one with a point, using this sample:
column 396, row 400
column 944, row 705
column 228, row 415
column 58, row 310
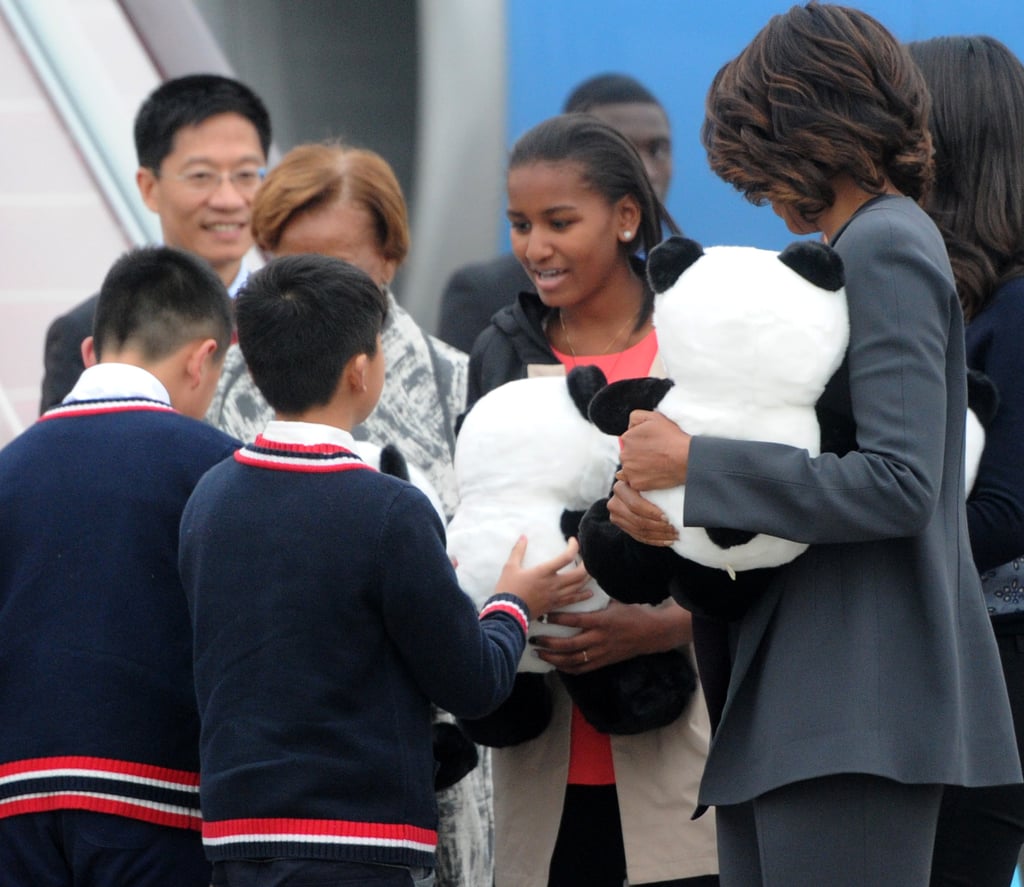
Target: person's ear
column 200, row 360
column 390, row 267
column 628, row 217
column 89, row 352
column 356, row 372
column 148, row 183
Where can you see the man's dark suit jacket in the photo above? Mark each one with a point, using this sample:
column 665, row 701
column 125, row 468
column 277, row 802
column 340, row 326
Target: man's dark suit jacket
column 474, row 293
column 62, row 357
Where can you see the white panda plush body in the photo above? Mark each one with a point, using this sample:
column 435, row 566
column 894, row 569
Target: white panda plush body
column 524, row 455
column 750, row 345
column 370, row 453
column 982, row 405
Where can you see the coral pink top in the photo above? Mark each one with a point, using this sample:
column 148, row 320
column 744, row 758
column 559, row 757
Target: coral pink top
column 590, row 751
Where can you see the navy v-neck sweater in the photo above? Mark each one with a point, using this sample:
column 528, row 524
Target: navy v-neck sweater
column 327, row 618
column 97, row 707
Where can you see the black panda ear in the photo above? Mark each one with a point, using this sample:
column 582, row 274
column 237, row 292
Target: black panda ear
column 393, row 462
column 611, row 406
column 584, row 382
column 816, row 262
column 982, row 396
column 669, row 259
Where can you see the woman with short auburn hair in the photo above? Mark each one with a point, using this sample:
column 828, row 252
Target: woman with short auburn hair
column 347, row 203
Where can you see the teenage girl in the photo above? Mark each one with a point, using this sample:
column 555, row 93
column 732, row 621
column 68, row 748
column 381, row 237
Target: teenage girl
column 575, row 806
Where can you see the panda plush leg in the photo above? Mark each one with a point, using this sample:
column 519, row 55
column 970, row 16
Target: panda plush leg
column 627, row 570
column 522, row 717
column 636, row 695
column 645, row 692
column 455, row 754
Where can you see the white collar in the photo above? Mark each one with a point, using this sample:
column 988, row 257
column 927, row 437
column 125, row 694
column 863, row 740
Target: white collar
column 307, row 434
column 240, row 278
column 121, row 380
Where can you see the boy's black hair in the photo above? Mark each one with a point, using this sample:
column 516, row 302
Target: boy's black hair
column 301, row 319
column 188, row 101
column 157, row 299
column 608, row 89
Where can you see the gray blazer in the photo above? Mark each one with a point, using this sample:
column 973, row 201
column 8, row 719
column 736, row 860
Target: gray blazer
column 871, row 652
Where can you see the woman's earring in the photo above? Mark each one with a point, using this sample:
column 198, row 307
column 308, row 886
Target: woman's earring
column 627, row 236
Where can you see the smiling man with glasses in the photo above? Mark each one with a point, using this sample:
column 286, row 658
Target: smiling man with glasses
column 202, row 144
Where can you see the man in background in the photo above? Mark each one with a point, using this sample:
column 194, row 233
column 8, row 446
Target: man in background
column 202, row 143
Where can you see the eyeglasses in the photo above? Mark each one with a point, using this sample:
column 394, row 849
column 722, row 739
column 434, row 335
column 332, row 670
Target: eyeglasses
column 205, row 181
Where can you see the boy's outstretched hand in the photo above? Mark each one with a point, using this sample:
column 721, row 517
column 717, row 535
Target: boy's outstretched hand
column 542, row 587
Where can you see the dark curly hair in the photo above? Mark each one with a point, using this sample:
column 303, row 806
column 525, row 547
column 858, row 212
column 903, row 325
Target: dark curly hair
column 977, row 91
column 820, row 92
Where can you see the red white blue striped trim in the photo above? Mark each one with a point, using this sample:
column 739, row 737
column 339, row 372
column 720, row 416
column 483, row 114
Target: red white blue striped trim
column 315, row 458
column 102, row 785
column 319, row 831
column 158, row 814
column 100, row 407
column 510, row 605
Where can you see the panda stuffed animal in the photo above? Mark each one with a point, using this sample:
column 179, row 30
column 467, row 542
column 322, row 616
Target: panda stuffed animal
column 388, row 459
column 982, row 405
column 749, row 339
column 529, row 462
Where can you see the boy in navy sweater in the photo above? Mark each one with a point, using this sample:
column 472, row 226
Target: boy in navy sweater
column 326, row 613
column 99, row 732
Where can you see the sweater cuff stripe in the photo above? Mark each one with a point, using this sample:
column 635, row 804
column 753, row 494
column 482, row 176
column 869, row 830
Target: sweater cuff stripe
column 510, row 605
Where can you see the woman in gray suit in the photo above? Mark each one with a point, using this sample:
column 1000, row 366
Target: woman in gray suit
column 865, row 676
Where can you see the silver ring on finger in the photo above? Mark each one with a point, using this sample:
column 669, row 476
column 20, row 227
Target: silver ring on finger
column 586, row 658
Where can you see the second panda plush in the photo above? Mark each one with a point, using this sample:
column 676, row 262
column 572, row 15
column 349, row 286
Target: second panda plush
column 529, row 462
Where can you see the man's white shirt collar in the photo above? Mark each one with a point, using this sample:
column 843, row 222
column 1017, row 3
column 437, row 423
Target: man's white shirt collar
column 240, row 278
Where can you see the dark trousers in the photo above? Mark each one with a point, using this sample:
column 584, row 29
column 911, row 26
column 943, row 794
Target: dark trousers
column 851, row 830
column 589, row 847
column 981, row 830
column 77, row 848
column 316, row 873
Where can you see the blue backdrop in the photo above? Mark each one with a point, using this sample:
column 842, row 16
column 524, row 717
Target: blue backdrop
column 675, row 47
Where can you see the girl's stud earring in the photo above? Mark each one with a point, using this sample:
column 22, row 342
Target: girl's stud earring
column 627, row 235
